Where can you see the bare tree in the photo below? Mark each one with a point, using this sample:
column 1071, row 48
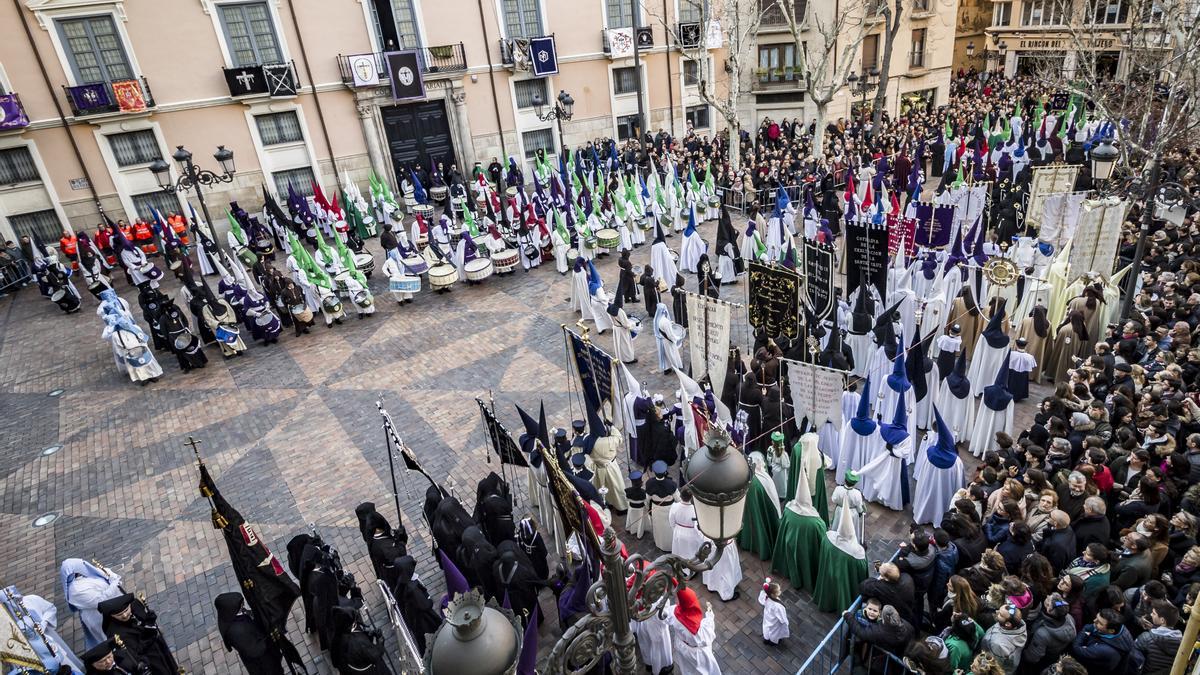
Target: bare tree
column 739, row 21
column 825, row 72
column 1153, row 99
column 892, row 11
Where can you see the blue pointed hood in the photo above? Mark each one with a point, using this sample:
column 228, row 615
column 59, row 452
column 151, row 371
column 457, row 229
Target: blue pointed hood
column 942, row 454
column 691, row 226
column 531, row 431
column 419, row 193
column 862, row 423
column 994, row 333
column 957, row 381
column 997, row 396
column 898, row 380
column 594, row 282
column 896, row 432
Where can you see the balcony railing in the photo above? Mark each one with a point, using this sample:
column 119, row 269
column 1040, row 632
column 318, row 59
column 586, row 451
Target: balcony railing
column 99, row 98
column 772, row 14
column 436, row 60
column 254, row 80
column 780, row 78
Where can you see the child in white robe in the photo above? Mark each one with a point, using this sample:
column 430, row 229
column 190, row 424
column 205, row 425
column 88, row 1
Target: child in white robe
column 775, row 626
column 692, row 635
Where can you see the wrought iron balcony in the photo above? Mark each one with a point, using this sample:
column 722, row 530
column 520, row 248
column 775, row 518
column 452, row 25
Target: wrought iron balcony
column 436, row 60
column 117, row 96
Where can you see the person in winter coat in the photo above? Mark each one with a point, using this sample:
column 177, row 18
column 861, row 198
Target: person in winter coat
column 1093, row 527
column 892, row 587
column 1159, row 644
column 881, row 626
column 1058, row 543
column 1134, row 566
column 1104, row 646
column 1051, row 631
column 1006, row 638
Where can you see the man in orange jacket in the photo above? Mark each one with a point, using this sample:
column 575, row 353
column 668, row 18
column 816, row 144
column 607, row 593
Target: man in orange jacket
column 144, row 237
column 179, row 225
column 69, row 247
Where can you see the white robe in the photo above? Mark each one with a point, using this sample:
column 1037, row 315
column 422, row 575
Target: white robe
column 134, row 260
column 987, row 422
column 852, row 497
column 560, row 252
column 664, row 265
column 686, row 538
column 622, row 331
column 724, row 577
column 923, row 419
column 726, row 270
column 985, row 363
column 580, row 297
column 958, row 413
column 775, row 626
column 394, row 271
column 935, row 489
column 122, row 342
column 693, row 654
column 829, row 436
column 882, row 477
column 654, row 641
column 599, row 306
column 690, row 250
column 668, row 347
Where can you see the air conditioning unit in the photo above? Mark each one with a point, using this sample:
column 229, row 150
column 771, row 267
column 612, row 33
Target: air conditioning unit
column 690, row 36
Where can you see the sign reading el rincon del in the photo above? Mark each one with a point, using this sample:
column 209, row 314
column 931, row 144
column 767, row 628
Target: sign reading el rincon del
column 1060, row 42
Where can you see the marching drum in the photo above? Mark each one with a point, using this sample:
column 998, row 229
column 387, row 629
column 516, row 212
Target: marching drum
column 645, row 224
column 714, row 202
column 478, row 269
column 423, row 210
column 410, row 202
column 331, row 304
column 422, row 241
column 404, row 284
column 227, row 334
column 415, row 264
column 442, row 277
column 302, row 313
column 481, row 202
column 511, row 191
column 608, row 238
column 457, row 204
column 438, row 193
column 342, row 281
column 505, row 261
column 365, row 263
column 589, row 241
column 572, row 254
column 67, row 302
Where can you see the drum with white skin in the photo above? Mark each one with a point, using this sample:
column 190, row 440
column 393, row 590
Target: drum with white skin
column 442, row 277
column 478, row 269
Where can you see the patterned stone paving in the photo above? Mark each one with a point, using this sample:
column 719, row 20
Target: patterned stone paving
column 292, row 437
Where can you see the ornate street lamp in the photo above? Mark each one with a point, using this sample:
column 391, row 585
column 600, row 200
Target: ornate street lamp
column 1104, row 159
column 562, row 109
column 632, row 590
column 193, row 177
column 971, row 49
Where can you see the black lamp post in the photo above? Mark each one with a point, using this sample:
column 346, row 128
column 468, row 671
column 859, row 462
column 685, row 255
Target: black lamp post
column 192, row 177
column 562, row 109
column 971, row 49
column 718, row 477
column 862, row 85
column 1104, row 159
column 477, row 638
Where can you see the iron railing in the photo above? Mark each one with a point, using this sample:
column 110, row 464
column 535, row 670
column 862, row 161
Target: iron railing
column 436, row 60
column 13, row 275
column 98, row 98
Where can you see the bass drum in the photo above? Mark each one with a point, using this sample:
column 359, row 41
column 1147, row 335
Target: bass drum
column 478, row 269
column 66, row 301
column 442, row 277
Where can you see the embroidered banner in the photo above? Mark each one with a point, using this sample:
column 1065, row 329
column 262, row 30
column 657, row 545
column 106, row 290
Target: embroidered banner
column 12, row 113
column 867, row 255
column 90, row 97
column 502, row 442
column 594, row 368
column 816, row 392
column 543, row 56
column 819, row 266
column 774, row 299
column 708, row 326
column 1097, row 236
column 902, row 227
column 129, row 95
column 281, row 79
column 404, row 72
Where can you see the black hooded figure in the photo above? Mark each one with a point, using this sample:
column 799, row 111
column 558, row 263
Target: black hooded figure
column 139, row 632
column 729, row 257
column 918, row 365
column 493, row 509
column 414, row 602
column 386, row 545
column 706, row 278
column 626, row 281
column 678, row 302
column 354, row 651
column 649, row 290
column 188, row 349
column 199, row 293
column 151, row 301
column 478, row 556
column 240, row 633
column 515, row 578
column 750, row 401
column 837, row 354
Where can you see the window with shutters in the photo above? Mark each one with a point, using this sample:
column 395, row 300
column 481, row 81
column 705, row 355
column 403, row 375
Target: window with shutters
column 16, row 166
column 94, row 50
column 250, row 34
column 300, row 179
column 279, row 128
column 692, row 11
column 870, row 53
column 525, row 90
column 166, row 203
column 522, row 18
column 45, row 223
column 773, row 14
column 625, row 80
column 619, row 13
column 134, row 147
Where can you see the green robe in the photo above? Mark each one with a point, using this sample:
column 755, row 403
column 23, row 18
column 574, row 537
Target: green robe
column 760, row 522
column 837, row 585
column 820, row 494
column 798, row 548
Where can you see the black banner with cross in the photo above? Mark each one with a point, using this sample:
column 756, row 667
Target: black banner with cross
column 774, row 299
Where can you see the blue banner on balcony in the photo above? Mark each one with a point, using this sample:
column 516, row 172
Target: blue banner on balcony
column 89, row 97
column 12, row 113
column 404, row 72
column 543, row 56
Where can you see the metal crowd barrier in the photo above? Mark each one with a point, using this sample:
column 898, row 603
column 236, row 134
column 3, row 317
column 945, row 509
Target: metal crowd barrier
column 837, row 653
column 13, row 275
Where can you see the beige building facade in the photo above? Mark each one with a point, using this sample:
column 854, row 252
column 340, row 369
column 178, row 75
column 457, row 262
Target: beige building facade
column 1029, row 36
column 109, row 86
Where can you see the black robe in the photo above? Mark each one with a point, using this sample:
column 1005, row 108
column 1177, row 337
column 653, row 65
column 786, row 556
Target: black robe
column 414, row 602
column 240, row 633
column 186, row 346
column 143, row 639
column 656, row 441
column 514, row 576
column 355, row 652
column 650, row 294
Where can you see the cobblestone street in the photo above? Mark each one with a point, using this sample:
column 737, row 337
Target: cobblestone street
column 293, row 439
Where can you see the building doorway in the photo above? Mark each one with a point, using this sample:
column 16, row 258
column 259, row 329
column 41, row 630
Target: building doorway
column 417, row 132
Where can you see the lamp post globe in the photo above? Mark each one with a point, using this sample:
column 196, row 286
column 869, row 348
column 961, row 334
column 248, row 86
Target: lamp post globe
column 567, row 102
column 475, row 640
column 1104, row 159
column 718, row 477
column 162, row 172
column 224, row 157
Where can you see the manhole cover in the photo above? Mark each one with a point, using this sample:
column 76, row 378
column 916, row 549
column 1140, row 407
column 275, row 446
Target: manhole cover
column 45, row 519
column 51, row 450
column 56, row 393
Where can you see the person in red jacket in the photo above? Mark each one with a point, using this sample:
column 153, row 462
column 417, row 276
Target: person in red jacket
column 103, row 241
column 179, row 225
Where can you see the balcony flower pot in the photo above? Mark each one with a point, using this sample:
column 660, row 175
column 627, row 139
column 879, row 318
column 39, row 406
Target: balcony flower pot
column 442, row 52
column 760, row 72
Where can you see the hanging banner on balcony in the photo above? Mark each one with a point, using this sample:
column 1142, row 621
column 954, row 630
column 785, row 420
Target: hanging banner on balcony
column 129, row 95
column 544, row 56
column 281, row 79
column 404, row 72
column 89, row 97
column 12, row 113
column 620, row 42
column 713, row 39
column 245, row 81
column 363, row 69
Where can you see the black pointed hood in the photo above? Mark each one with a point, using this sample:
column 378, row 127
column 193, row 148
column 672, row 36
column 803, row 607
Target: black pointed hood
column 994, row 333
column 997, row 396
column 833, row 356
column 917, row 365
column 957, row 381
column 864, row 311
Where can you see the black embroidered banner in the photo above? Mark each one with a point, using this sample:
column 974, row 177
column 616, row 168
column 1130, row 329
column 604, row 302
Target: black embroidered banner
column 818, row 270
column 595, row 371
column 502, row 441
column 774, row 299
column 867, row 255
